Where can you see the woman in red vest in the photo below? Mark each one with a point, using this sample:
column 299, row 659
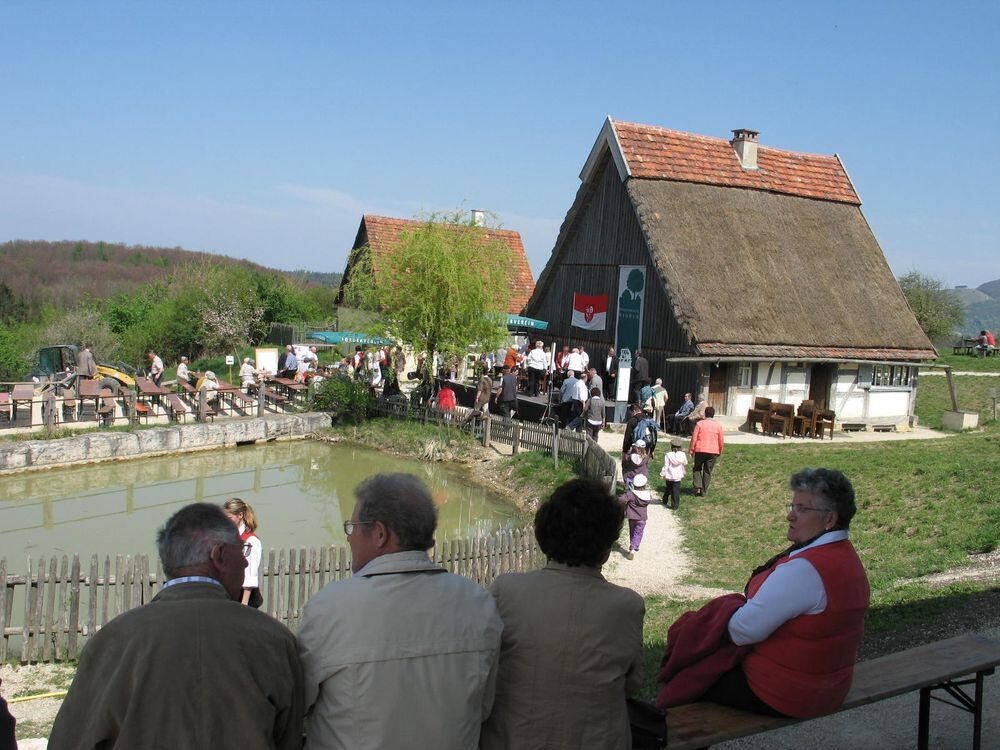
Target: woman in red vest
column 804, row 615
column 242, row 515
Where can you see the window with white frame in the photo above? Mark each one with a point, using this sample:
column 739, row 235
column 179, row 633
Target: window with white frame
column 891, row 375
column 744, row 375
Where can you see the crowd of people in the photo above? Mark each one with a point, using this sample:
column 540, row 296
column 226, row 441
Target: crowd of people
column 406, row 654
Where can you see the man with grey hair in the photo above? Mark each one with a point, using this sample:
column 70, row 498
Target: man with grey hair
column 193, row 668
column 403, row 654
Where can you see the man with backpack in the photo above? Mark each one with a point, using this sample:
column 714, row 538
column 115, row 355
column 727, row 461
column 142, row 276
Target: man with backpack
column 646, row 429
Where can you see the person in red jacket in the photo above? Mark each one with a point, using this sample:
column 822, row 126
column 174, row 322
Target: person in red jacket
column 805, row 610
column 707, row 442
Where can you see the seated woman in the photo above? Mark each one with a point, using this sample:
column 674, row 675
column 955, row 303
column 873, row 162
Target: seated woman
column 805, row 610
column 572, row 642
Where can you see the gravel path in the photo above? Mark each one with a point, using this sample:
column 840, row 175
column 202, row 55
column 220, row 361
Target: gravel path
column 661, row 561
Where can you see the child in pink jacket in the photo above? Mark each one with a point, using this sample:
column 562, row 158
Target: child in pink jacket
column 674, row 468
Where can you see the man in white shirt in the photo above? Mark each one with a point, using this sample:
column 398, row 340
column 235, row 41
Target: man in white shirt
column 536, row 361
column 575, row 361
column 155, row 367
column 403, row 654
column 183, row 373
column 584, row 358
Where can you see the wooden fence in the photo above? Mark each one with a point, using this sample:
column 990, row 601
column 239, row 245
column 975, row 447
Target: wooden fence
column 47, row 614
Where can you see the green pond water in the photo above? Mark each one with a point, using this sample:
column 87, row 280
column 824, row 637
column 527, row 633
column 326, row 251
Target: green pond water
column 302, row 492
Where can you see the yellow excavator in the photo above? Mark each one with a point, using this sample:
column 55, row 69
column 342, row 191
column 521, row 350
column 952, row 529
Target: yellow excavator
column 56, row 362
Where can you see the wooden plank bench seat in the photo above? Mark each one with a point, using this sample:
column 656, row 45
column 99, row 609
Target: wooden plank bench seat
column 934, row 666
column 5, row 406
column 106, row 408
column 141, row 410
column 176, row 408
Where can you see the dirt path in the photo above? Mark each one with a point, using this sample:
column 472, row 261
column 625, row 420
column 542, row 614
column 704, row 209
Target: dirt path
column 661, row 562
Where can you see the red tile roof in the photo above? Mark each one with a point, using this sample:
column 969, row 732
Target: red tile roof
column 778, row 351
column 384, row 231
column 659, row 153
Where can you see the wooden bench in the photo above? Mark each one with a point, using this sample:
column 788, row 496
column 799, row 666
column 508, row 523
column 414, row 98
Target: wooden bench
column 5, row 406
column 141, row 410
column 106, row 408
column 176, row 409
column 947, row 665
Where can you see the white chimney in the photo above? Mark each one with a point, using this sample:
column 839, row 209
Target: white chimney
column 478, row 217
column 745, row 144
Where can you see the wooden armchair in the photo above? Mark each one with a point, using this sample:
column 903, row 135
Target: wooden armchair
column 758, row 414
column 804, row 423
column 780, row 419
column 824, row 422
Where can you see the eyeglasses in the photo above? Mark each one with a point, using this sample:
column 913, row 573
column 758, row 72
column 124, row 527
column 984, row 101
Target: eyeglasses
column 798, row 508
column 349, row 526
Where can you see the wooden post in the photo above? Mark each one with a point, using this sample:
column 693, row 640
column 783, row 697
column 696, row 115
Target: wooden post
column 260, row 400
column 3, row 610
column 202, row 404
column 515, row 436
column 555, row 445
column 486, row 427
column 951, row 388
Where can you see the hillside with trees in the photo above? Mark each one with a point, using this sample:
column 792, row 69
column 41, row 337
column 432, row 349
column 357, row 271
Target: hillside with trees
column 125, row 300
column 62, row 274
column 981, row 306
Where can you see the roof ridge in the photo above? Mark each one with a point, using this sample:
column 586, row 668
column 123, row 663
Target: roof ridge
column 421, row 221
column 719, row 139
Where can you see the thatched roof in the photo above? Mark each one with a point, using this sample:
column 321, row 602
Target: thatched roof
column 380, row 233
column 757, row 273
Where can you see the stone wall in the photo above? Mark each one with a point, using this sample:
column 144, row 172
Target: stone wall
column 110, row 446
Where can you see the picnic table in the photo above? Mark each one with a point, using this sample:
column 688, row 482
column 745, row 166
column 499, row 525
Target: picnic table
column 21, row 393
column 102, row 397
column 150, row 390
column 292, row 387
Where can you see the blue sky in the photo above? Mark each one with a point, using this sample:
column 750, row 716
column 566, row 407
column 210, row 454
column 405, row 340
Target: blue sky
column 265, row 130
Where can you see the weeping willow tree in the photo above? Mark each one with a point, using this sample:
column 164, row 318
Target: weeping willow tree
column 442, row 286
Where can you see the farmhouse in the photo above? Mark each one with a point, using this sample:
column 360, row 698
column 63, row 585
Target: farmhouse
column 380, row 233
column 739, row 270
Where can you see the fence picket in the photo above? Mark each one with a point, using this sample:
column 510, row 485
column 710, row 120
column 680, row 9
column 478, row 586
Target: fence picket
column 73, row 623
column 4, row 597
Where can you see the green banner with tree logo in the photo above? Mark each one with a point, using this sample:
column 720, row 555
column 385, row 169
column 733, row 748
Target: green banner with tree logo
column 631, row 292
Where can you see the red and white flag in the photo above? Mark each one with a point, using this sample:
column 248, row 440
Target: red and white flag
column 590, row 311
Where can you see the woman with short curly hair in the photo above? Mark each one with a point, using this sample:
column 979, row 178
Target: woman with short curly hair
column 572, row 641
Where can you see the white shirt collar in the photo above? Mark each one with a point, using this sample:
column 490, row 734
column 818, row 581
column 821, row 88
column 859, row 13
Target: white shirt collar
column 837, row 535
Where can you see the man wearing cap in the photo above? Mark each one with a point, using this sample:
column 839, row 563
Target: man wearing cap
column 248, row 377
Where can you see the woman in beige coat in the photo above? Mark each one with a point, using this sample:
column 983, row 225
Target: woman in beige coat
column 572, row 642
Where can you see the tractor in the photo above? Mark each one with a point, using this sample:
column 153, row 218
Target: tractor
column 55, row 362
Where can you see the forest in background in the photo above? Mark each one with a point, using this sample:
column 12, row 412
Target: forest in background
column 127, row 299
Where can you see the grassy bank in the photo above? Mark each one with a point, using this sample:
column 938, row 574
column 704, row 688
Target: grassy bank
column 965, row 363
column 973, row 391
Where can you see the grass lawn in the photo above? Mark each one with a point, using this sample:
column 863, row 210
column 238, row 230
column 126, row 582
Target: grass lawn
column 973, row 394
column 965, row 363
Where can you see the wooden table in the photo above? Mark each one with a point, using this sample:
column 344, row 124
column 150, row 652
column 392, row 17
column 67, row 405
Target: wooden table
column 23, row 393
column 149, row 389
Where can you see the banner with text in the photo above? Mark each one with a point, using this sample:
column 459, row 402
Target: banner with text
column 631, row 292
column 590, row 311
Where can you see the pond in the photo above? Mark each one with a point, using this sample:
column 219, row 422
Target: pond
column 302, row 492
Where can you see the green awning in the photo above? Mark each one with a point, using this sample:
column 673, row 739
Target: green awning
column 348, row 337
column 519, row 322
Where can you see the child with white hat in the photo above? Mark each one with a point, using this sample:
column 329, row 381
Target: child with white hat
column 635, row 499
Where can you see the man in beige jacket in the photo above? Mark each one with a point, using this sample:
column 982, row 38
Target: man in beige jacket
column 403, row 654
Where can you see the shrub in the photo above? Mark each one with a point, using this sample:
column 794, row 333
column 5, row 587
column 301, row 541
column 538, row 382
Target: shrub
column 347, row 399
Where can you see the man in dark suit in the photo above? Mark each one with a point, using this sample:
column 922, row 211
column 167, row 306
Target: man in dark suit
column 607, row 368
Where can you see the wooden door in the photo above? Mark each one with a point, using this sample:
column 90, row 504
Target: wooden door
column 820, row 380
column 717, row 386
